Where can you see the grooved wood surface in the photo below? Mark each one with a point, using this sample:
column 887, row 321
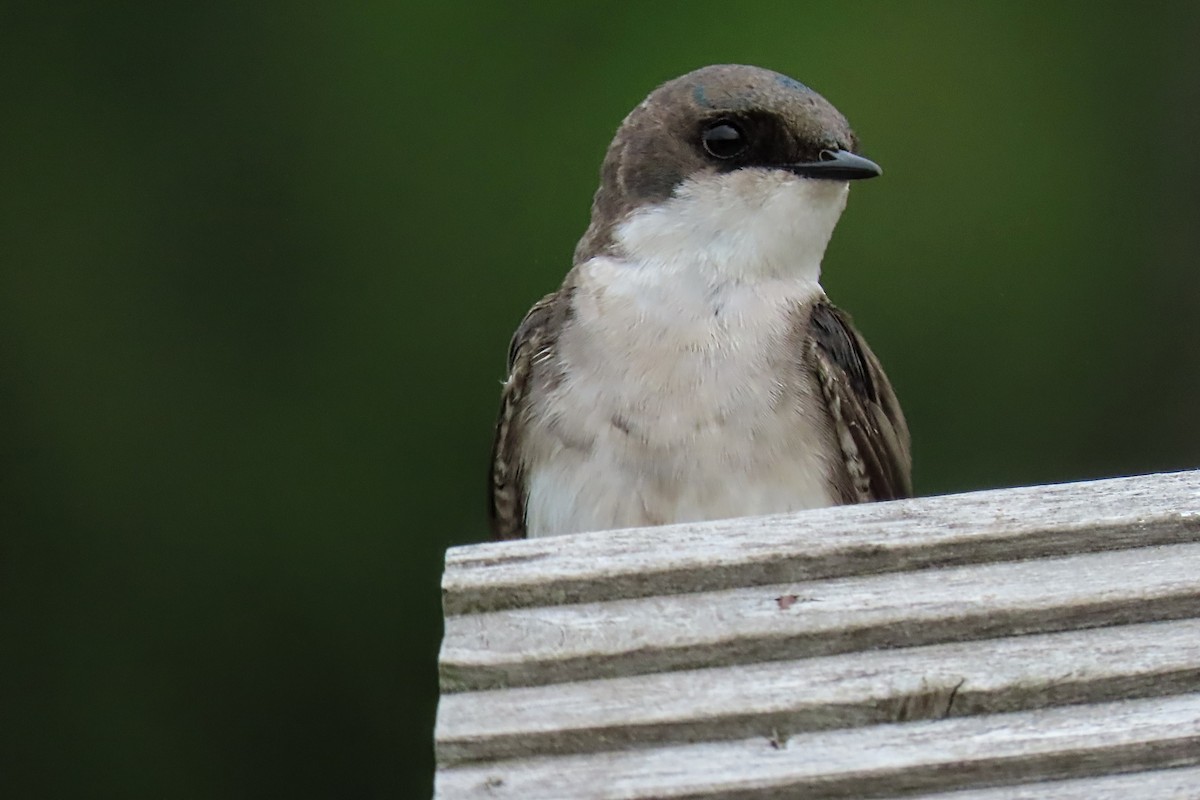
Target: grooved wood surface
column 875, row 761
column 980, row 527
column 1181, row 783
column 1034, row 642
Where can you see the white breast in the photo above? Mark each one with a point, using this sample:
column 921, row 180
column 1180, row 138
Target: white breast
column 673, row 405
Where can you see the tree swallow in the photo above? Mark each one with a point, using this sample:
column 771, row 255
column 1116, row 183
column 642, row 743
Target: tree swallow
column 690, row 367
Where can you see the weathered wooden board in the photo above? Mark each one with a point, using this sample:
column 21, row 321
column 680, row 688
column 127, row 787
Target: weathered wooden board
column 1000, row 525
column 855, row 689
column 538, row 645
column 1181, row 783
column 872, row 762
column 1021, row 643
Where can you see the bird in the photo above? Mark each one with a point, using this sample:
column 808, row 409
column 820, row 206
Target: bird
column 690, row 367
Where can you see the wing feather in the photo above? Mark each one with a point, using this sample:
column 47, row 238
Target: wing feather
column 506, row 482
column 866, row 416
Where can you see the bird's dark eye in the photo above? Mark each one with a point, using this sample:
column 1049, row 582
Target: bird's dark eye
column 724, row 140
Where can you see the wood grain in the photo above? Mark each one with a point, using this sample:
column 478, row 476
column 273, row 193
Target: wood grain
column 540, row 645
column 1160, row 784
column 849, row 690
column 872, row 762
column 1000, row 525
column 1025, row 643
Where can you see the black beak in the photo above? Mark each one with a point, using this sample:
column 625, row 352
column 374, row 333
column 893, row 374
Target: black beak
column 837, row 165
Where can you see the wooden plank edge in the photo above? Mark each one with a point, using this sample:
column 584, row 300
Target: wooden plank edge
column 1179, row 783
column 790, row 697
column 950, row 530
column 574, row 643
column 875, row 762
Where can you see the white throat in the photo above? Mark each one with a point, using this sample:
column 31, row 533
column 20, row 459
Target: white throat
column 675, row 362
column 741, row 226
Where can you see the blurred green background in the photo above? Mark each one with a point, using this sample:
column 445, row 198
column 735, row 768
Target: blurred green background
column 260, row 263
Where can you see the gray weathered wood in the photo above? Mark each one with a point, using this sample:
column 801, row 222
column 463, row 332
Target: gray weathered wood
column 835, row 692
column 1000, row 525
column 877, row 761
column 1018, row 643
column 1180, row 783
column 529, row 646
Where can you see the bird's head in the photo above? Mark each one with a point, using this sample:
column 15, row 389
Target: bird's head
column 733, row 162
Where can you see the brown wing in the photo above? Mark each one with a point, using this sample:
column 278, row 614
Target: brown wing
column 866, row 416
column 506, row 484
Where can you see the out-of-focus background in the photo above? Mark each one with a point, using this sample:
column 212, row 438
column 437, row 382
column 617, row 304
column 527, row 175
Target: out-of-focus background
column 259, row 264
